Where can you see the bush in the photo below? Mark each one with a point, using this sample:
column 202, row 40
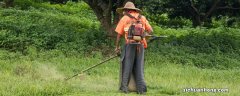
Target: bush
column 47, row 29
column 23, row 4
column 163, row 20
column 185, row 55
column 212, row 40
column 225, row 21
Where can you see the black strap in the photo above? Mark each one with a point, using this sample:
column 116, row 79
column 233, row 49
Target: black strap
column 139, row 16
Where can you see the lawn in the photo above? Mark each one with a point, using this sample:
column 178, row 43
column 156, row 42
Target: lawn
column 44, row 75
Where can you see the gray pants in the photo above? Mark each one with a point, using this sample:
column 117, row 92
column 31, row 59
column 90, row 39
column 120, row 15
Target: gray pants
column 132, row 62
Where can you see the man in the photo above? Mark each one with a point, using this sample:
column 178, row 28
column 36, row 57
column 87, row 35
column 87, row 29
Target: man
column 132, row 26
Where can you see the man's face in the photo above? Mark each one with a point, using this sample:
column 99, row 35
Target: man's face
column 125, row 11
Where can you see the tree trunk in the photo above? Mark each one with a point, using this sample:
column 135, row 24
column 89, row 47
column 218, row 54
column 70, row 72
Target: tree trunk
column 102, row 9
column 8, row 3
column 196, row 20
column 211, row 10
column 105, row 11
column 197, row 17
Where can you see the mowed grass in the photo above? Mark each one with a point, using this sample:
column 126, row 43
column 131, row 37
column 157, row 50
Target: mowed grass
column 44, row 75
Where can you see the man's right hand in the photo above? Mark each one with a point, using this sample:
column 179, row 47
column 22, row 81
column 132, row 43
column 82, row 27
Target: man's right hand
column 117, row 51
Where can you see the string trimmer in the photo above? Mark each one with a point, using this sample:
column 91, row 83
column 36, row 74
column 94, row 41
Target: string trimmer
column 150, row 38
column 80, row 73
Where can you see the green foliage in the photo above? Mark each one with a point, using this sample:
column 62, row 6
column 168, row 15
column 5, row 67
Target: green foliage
column 205, row 48
column 23, row 4
column 225, row 21
column 204, row 40
column 177, row 10
column 48, row 29
column 163, row 20
column 190, row 56
column 80, row 9
column 212, row 40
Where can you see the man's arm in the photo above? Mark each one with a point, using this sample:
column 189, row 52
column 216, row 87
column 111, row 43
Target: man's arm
column 120, row 31
column 117, row 40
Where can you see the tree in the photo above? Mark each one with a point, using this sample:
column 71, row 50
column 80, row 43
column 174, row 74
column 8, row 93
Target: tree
column 202, row 10
column 199, row 11
column 105, row 11
column 8, row 3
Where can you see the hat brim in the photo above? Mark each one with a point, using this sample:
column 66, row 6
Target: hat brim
column 120, row 10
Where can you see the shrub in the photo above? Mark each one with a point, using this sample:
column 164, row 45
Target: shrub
column 213, row 40
column 46, row 30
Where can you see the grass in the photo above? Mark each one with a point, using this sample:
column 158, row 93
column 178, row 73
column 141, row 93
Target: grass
column 29, row 76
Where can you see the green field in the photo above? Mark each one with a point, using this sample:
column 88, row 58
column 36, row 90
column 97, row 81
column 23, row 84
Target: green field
column 44, row 75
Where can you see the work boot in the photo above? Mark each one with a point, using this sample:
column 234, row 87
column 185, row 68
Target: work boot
column 142, row 91
column 124, row 90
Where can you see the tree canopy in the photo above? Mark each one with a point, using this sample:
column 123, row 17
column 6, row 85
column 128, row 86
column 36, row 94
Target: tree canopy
column 200, row 12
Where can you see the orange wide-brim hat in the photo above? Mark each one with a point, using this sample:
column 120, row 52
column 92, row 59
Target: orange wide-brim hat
column 128, row 5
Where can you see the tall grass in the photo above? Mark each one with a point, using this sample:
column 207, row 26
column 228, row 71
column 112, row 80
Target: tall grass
column 45, row 76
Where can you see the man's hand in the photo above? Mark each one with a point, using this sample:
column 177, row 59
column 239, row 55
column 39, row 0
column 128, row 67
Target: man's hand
column 117, row 51
column 150, row 33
